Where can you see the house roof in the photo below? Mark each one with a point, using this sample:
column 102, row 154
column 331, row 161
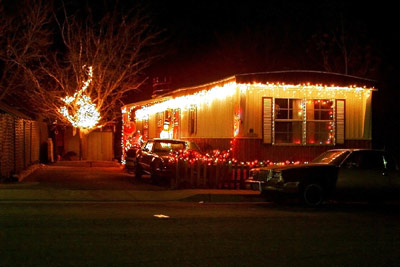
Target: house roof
column 278, row 77
column 301, row 77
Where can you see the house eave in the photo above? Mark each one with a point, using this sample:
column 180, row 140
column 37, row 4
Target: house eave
column 305, row 77
column 194, row 89
column 275, row 77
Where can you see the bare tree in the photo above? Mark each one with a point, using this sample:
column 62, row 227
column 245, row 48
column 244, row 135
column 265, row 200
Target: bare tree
column 24, row 39
column 114, row 48
column 45, row 57
column 345, row 48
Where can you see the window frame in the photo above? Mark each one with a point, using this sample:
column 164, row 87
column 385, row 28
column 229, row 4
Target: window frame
column 274, row 120
column 332, row 122
column 192, row 120
column 304, row 121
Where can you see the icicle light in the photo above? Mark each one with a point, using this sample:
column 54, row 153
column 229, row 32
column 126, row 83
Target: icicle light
column 221, row 92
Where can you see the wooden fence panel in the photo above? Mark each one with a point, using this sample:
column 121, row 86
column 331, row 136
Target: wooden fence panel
column 203, row 174
column 35, row 142
column 19, row 144
column 7, row 145
column 27, row 140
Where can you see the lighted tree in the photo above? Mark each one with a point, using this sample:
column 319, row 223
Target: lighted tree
column 47, row 58
column 115, row 50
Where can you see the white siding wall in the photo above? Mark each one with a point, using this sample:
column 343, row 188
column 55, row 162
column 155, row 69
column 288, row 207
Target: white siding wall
column 357, row 120
column 216, row 119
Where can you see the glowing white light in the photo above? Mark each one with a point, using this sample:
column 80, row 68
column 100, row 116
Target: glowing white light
column 84, row 113
column 185, row 102
column 221, row 92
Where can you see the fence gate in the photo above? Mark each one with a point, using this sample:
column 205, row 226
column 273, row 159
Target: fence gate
column 100, row 146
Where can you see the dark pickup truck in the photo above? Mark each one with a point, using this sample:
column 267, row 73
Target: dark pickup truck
column 153, row 158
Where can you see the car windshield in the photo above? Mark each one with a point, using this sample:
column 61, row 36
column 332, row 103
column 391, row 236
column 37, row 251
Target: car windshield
column 331, row 157
column 168, row 146
column 194, row 147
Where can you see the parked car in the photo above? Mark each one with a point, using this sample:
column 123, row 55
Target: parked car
column 153, row 157
column 351, row 174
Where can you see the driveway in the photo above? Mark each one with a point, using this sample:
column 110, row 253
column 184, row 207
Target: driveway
column 107, row 181
column 86, row 176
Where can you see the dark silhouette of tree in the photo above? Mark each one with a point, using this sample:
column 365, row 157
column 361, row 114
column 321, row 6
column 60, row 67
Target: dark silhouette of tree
column 24, row 40
column 345, row 47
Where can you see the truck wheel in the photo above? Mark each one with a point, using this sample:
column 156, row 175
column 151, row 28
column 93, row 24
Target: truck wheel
column 155, row 172
column 138, row 172
column 155, row 179
column 312, row 194
column 130, row 169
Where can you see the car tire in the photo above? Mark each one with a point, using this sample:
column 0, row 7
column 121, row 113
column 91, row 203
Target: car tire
column 267, row 196
column 138, row 172
column 274, row 197
column 130, row 169
column 155, row 179
column 155, row 173
column 313, row 195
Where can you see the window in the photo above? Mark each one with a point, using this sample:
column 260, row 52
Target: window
column 331, row 157
column 159, row 123
column 160, row 119
column 368, row 160
column 320, row 121
column 145, row 129
column 149, row 146
column 288, row 121
column 175, row 121
column 389, row 162
column 192, row 123
column 303, row 121
column 166, row 147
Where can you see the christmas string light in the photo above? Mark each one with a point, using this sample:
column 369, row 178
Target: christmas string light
column 79, row 110
column 229, row 89
column 305, row 92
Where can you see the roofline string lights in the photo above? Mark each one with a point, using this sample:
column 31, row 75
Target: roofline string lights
column 187, row 101
column 307, row 91
column 229, row 89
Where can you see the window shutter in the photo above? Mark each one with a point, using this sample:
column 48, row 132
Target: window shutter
column 340, row 118
column 267, row 120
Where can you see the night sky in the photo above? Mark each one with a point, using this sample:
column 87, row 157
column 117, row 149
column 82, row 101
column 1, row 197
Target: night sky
column 211, row 40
